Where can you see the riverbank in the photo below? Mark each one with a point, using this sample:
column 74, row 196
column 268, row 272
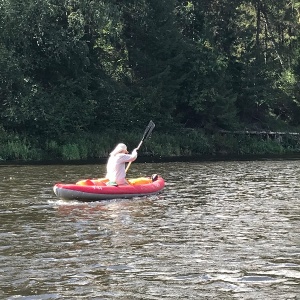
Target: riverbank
column 184, row 145
column 159, row 159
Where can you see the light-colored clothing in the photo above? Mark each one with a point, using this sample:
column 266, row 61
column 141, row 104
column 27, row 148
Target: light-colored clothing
column 116, row 166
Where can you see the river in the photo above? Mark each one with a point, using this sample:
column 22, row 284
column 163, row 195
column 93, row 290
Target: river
column 220, row 230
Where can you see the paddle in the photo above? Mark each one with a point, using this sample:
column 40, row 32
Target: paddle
column 146, row 134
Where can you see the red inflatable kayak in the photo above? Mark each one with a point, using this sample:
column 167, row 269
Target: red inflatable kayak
column 96, row 189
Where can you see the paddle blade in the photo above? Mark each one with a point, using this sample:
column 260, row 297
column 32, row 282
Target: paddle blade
column 148, row 130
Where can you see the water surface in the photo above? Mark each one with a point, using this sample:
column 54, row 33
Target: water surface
column 219, row 230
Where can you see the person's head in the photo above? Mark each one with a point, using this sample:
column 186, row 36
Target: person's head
column 120, row 148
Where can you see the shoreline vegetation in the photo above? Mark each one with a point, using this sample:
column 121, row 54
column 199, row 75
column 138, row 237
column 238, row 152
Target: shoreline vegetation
column 78, row 77
column 182, row 145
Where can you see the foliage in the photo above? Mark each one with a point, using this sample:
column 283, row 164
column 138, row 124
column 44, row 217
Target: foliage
column 78, row 68
column 14, row 147
column 187, row 143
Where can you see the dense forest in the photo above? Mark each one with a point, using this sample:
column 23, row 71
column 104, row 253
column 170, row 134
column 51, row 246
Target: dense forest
column 76, row 76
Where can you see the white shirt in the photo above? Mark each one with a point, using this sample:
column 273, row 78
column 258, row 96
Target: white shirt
column 116, row 166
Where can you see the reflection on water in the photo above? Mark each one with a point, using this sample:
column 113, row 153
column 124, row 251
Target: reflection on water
column 220, row 230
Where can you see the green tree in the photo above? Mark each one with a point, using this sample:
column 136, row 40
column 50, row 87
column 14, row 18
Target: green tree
column 207, row 96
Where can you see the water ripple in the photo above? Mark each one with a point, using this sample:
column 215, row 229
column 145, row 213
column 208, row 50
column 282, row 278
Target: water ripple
column 220, row 230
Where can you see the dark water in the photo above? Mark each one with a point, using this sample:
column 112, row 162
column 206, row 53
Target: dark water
column 220, row 230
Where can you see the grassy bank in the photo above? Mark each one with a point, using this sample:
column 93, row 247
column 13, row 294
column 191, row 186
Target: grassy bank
column 181, row 143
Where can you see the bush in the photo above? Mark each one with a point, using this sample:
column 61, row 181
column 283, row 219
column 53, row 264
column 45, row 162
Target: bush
column 180, row 143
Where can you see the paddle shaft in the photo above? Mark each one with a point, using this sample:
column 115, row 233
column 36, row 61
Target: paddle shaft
column 146, row 134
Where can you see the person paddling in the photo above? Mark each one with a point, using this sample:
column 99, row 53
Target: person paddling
column 116, row 173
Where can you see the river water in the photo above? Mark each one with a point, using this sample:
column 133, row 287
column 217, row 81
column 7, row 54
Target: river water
column 220, row 230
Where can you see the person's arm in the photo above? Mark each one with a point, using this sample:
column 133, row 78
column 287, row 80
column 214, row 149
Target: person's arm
column 129, row 157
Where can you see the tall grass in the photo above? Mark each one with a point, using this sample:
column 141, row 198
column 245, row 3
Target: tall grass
column 180, row 143
column 17, row 148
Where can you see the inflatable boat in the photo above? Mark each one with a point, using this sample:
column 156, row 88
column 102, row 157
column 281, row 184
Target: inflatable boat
column 100, row 189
